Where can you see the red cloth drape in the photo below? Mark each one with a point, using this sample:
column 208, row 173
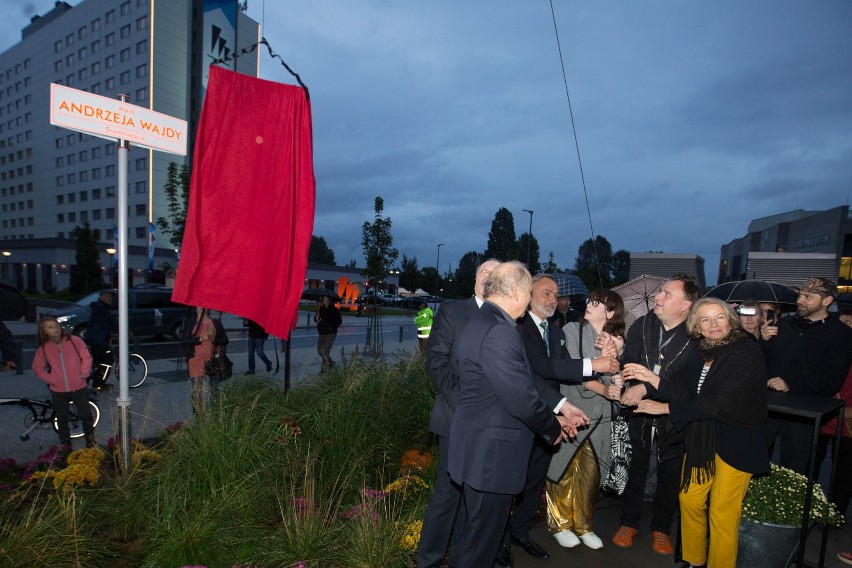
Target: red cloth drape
column 251, row 202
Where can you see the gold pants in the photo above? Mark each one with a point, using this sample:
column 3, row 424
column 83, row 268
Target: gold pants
column 727, row 490
column 571, row 502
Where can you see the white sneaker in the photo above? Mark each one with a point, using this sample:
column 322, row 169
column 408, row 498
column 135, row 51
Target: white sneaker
column 567, row 539
column 591, row 540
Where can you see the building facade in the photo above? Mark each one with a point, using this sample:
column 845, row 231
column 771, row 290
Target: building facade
column 53, row 180
column 792, row 247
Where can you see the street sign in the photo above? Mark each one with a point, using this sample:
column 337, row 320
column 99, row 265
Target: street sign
column 113, row 119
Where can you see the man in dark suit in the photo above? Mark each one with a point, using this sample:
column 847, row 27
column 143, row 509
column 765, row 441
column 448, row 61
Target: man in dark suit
column 551, row 365
column 439, row 522
column 498, row 415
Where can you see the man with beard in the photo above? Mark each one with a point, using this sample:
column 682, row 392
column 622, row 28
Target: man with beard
column 545, row 350
column 809, row 355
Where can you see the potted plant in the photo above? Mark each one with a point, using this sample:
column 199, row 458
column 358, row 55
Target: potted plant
column 772, row 517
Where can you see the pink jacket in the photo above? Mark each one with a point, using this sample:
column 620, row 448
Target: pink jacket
column 64, row 366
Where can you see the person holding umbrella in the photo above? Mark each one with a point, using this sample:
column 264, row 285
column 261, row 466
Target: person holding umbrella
column 328, row 320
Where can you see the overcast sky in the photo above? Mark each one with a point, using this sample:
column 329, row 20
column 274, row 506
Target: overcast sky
column 692, row 118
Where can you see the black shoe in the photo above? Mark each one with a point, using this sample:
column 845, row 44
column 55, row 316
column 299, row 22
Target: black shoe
column 268, row 367
column 531, row 547
column 504, row 556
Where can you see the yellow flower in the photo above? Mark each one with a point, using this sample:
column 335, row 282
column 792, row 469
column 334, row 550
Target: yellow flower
column 411, row 536
column 77, row 474
column 145, row 457
column 407, row 483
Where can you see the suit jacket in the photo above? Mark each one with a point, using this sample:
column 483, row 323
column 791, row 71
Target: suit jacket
column 549, row 370
column 447, row 328
column 499, row 410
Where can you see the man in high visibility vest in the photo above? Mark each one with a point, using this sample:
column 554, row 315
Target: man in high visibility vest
column 423, row 319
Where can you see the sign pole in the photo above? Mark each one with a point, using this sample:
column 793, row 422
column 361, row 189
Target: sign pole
column 123, row 400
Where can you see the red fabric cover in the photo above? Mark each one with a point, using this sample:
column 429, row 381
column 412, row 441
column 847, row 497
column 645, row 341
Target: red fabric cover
column 251, row 202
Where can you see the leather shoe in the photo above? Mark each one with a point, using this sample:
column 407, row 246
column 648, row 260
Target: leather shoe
column 624, row 536
column 504, row 556
column 531, row 547
column 662, row 543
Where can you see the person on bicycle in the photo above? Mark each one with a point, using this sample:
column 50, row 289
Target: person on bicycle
column 63, row 361
column 102, row 325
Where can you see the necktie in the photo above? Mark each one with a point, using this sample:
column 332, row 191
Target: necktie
column 545, row 336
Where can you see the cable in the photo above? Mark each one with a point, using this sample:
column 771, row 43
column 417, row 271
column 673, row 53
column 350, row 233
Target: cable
column 577, row 146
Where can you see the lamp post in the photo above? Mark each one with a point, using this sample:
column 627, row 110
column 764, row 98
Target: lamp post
column 111, row 252
column 438, row 268
column 529, row 238
column 6, row 254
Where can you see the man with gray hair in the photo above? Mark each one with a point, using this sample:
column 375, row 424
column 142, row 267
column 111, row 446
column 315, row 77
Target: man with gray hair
column 440, row 520
column 498, row 414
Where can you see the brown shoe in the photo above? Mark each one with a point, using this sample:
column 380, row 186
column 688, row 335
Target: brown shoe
column 624, row 536
column 662, row 543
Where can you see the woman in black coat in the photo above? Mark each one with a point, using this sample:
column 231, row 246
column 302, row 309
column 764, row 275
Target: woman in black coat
column 720, row 405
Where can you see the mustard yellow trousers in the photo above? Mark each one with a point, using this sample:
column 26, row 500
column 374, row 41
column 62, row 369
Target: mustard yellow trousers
column 726, row 490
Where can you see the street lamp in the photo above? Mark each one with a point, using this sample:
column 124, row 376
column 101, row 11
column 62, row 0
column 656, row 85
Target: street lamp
column 111, row 252
column 6, row 254
column 438, row 268
column 529, row 238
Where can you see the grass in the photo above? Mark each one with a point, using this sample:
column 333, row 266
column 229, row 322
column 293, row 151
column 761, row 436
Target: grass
column 264, row 479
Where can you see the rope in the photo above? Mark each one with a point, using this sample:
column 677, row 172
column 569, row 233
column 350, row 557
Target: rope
column 577, row 145
column 250, row 49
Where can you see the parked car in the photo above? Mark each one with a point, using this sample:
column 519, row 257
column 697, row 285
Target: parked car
column 370, row 300
column 150, row 311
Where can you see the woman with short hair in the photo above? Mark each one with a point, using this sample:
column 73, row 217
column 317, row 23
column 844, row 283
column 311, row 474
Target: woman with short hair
column 720, row 405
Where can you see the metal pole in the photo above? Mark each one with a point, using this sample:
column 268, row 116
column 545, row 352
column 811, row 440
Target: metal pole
column 438, row 268
column 123, row 400
column 529, row 238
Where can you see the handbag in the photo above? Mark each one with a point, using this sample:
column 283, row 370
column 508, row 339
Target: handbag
column 616, row 478
column 219, row 365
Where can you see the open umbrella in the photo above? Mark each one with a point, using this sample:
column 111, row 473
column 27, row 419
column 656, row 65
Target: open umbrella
column 569, row 284
column 760, row 290
column 638, row 295
column 318, row 293
column 13, row 305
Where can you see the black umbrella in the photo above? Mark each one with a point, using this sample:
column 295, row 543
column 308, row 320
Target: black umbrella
column 13, row 305
column 760, row 290
column 318, row 293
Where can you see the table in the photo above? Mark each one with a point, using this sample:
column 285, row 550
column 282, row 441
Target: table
column 817, row 409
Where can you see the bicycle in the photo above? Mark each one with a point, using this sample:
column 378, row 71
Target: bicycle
column 42, row 414
column 137, row 369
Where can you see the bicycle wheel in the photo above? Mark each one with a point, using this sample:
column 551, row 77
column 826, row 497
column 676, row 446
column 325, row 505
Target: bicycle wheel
column 75, row 425
column 137, row 370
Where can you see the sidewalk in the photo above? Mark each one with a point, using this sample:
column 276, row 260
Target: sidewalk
column 164, row 398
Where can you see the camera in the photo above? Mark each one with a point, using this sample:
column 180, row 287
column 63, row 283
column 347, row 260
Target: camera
column 746, row 311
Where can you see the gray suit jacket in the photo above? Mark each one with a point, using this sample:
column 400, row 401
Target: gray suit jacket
column 499, row 410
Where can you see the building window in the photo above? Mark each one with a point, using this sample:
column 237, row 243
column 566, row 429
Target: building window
column 60, row 199
column 110, row 150
column 69, row 59
column 140, row 209
column 72, row 178
column 83, row 74
column 71, row 159
column 96, row 152
column 124, row 55
column 142, row 71
column 109, row 39
column 142, row 94
column 60, row 181
column 60, row 162
column 81, row 53
column 110, row 191
column 84, row 195
column 109, row 84
column 142, row 47
column 109, row 171
column 96, row 88
column 81, row 33
column 110, row 17
column 125, row 31
column 96, row 24
column 72, row 217
column 69, row 40
column 57, row 46
column 141, row 164
column 60, row 217
column 96, row 46
column 96, row 214
column 96, row 174
column 84, row 216
column 96, row 193
column 110, row 213
column 57, row 65
column 140, row 232
column 109, row 61
column 141, row 187
column 72, row 198
column 142, row 23
column 125, row 8
column 96, row 67
column 83, row 155
column 124, row 78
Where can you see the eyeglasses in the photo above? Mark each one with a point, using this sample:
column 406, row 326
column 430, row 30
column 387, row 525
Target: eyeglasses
column 593, row 303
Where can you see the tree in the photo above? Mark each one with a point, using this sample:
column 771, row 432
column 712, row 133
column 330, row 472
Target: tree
column 409, row 277
column 501, row 237
column 620, row 267
column 177, row 196
column 525, row 241
column 319, row 253
column 594, row 263
column 86, row 276
column 378, row 244
column 466, row 273
column 549, row 266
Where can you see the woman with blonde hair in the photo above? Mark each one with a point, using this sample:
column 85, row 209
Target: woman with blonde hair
column 720, row 405
column 63, row 361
